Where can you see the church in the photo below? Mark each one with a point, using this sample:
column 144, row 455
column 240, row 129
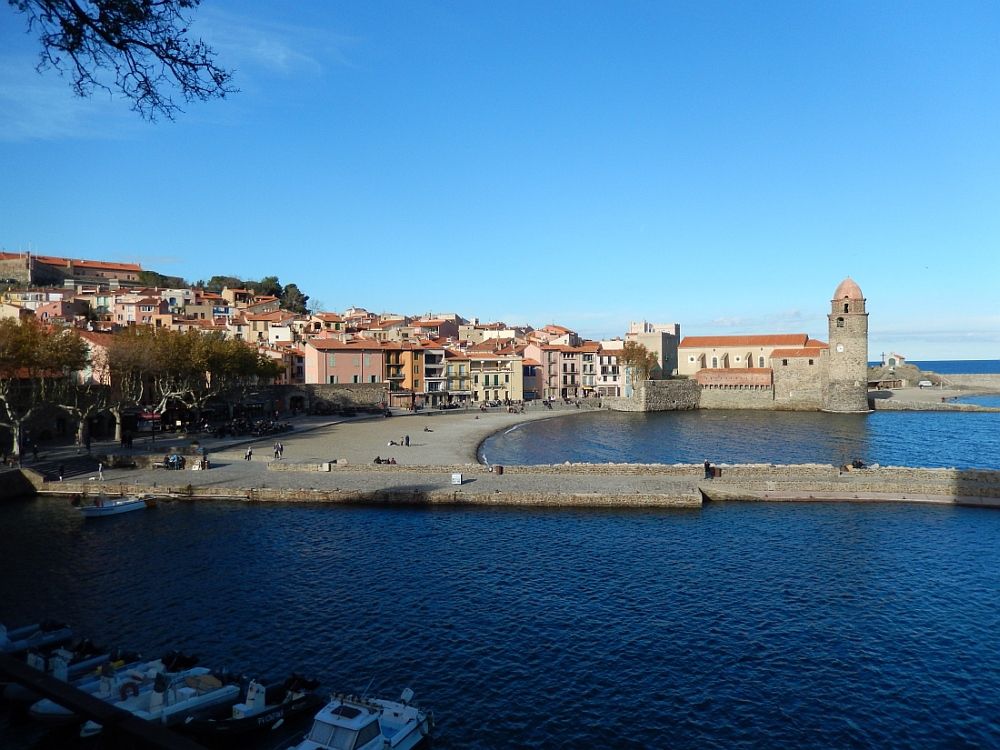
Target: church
column 786, row 370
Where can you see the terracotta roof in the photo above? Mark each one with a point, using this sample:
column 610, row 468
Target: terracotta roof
column 804, row 352
column 848, row 289
column 534, row 362
column 329, row 344
column 770, row 339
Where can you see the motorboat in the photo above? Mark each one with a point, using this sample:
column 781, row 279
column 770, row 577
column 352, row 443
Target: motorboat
column 263, row 708
column 67, row 663
column 109, row 506
column 39, row 635
column 175, row 698
column 351, row 723
column 114, row 684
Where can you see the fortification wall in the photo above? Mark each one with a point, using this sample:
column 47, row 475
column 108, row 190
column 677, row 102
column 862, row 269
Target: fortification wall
column 800, row 384
column 658, row 395
column 15, row 268
column 736, row 398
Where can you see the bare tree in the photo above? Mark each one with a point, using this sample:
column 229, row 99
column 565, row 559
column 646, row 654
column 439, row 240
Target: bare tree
column 143, row 44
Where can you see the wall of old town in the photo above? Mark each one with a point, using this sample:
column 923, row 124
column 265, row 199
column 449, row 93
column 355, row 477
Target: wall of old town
column 722, row 397
column 799, row 384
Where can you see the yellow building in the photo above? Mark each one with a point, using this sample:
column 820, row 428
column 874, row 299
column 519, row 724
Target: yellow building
column 496, row 377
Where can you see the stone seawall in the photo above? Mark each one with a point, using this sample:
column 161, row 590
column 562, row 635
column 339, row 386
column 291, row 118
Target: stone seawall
column 979, row 382
column 16, row 483
column 573, row 485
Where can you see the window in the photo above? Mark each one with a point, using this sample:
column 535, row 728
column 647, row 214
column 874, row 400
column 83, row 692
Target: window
column 715, row 362
column 761, row 362
column 690, row 359
column 354, row 378
column 373, row 379
column 367, row 734
column 810, row 361
column 846, row 308
column 840, row 322
column 784, row 363
column 333, row 379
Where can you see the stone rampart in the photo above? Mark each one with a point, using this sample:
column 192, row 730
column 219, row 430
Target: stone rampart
column 658, row 395
column 736, row 398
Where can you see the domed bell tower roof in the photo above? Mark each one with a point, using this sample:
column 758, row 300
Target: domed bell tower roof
column 848, row 289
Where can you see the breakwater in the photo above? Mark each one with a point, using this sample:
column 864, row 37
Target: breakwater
column 573, row 485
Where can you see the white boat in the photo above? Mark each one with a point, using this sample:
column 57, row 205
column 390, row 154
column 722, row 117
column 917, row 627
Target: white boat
column 175, row 698
column 108, row 506
column 115, row 684
column 351, row 723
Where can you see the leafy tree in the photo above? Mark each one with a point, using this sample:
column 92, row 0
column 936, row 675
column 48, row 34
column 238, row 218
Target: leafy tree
column 268, row 286
column 128, row 362
column 639, row 359
column 293, row 300
column 152, row 278
column 142, row 44
column 36, row 364
column 217, row 283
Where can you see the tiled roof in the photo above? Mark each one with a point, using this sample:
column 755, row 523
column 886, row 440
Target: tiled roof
column 803, row 352
column 770, row 339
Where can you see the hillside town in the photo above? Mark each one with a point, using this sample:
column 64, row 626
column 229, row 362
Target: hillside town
column 431, row 360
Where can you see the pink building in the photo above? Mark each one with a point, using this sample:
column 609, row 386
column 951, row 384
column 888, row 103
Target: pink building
column 332, row 361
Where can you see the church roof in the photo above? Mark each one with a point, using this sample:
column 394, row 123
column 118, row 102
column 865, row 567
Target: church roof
column 848, row 289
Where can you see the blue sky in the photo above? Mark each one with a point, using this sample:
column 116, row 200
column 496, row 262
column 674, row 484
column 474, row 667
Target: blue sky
column 720, row 165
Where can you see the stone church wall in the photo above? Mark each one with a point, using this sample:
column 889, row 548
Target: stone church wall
column 736, row 398
column 798, row 384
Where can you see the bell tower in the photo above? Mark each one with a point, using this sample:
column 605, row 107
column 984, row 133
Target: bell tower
column 847, row 374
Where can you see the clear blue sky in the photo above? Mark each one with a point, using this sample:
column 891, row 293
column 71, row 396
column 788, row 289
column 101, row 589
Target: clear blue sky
column 720, row 165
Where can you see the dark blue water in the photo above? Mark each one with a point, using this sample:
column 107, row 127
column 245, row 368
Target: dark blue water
column 992, row 400
column 932, row 439
column 738, row 626
column 955, row 366
column 960, row 366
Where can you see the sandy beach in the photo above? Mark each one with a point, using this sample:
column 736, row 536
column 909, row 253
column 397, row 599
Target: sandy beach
column 435, row 438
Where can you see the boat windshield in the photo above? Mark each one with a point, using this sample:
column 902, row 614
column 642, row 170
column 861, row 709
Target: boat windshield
column 333, row 737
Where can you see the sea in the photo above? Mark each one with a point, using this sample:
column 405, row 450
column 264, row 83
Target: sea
column 734, row 626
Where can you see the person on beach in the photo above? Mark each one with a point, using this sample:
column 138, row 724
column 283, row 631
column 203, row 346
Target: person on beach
column 406, row 440
column 277, row 452
column 281, row 450
column 249, row 454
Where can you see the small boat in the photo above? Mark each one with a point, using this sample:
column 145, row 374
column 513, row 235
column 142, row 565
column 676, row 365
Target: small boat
column 67, row 663
column 174, row 698
column 351, row 723
column 107, row 506
column 39, row 635
column 112, row 684
column 263, row 708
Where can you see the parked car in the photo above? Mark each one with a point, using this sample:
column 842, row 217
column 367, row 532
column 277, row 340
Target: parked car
column 925, row 384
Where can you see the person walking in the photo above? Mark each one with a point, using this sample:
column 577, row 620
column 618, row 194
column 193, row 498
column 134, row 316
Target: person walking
column 281, row 450
column 277, row 451
column 249, row 454
column 406, row 440
column 62, row 471
column 100, row 471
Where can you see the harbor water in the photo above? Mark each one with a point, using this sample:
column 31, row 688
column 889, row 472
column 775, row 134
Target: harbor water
column 737, row 626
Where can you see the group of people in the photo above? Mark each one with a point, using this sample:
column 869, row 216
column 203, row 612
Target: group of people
column 380, row 460
column 279, row 450
column 405, row 440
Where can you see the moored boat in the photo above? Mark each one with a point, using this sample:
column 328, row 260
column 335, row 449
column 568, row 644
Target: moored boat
column 263, row 708
column 116, row 684
column 175, row 697
column 351, row 723
column 108, row 506
column 67, row 663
